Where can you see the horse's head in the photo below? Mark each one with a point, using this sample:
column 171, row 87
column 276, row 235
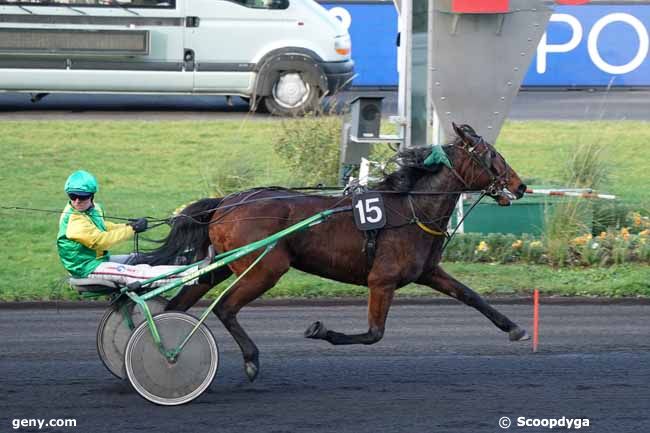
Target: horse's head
column 481, row 167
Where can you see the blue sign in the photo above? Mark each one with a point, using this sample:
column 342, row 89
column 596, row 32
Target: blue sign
column 594, row 46
column 584, row 46
column 373, row 29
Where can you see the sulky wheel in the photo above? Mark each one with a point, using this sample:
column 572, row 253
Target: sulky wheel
column 113, row 332
column 165, row 382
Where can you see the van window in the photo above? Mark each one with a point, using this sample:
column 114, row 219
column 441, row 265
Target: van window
column 164, row 4
column 263, row 4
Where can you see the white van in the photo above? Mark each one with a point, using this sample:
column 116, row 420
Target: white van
column 287, row 53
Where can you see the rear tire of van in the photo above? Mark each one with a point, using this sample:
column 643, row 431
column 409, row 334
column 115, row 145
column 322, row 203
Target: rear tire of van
column 292, row 95
column 259, row 107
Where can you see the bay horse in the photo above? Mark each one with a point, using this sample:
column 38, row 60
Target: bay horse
column 408, row 248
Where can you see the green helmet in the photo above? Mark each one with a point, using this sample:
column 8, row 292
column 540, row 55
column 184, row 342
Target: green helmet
column 81, row 182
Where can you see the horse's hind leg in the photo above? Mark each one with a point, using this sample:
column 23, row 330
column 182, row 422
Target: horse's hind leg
column 261, row 278
column 445, row 283
column 379, row 302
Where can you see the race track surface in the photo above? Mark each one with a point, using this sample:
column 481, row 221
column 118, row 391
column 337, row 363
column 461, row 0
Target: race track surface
column 439, row 368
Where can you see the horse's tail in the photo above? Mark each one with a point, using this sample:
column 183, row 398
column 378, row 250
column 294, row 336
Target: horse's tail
column 188, row 239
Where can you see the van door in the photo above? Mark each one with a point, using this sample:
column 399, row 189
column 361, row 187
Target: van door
column 126, row 46
column 230, row 36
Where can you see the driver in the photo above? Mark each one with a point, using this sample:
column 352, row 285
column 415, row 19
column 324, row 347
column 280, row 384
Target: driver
column 84, row 239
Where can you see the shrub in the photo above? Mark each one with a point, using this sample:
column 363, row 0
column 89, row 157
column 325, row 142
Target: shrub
column 608, row 248
column 310, row 147
column 563, row 221
column 610, row 214
column 587, row 166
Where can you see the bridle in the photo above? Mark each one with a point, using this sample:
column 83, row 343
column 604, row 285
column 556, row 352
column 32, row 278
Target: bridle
column 498, row 182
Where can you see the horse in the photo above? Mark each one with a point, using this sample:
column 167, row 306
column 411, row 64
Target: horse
column 419, row 200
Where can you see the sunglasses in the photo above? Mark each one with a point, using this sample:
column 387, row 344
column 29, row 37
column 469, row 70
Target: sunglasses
column 74, row 197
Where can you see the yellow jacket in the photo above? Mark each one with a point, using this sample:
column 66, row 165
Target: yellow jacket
column 84, row 239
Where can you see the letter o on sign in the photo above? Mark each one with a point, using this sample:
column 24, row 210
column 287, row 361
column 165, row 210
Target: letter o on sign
column 592, row 43
column 343, row 15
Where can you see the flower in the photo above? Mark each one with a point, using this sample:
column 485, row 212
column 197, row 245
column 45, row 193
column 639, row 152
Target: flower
column 625, row 233
column 482, row 247
column 582, row 240
column 595, row 245
column 535, row 244
column 517, row 244
column 645, row 232
column 636, row 217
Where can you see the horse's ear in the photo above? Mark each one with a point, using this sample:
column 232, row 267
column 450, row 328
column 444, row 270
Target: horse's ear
column 461, row 134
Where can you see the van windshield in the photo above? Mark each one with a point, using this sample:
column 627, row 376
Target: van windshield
column 95, row 3
column 263, row 4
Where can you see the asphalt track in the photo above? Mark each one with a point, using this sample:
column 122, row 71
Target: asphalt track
column 439, row 368
column 528, row 105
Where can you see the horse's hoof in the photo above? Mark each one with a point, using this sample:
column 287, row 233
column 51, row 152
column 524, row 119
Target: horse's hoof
column 252, row 369
column 316, row 330
column 518, row 334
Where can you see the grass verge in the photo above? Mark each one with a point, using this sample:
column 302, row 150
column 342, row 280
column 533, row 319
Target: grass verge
column 152, row 168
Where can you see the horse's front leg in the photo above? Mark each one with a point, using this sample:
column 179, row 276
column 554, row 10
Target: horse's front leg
column 439, row 280
column 379, row 301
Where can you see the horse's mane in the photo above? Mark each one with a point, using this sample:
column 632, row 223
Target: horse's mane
column 411, row 168
column 411, row 163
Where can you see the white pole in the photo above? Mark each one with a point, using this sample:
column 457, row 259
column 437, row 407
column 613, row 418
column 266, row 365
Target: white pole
column 436, row 133
column 364, row 172
column 404, row 57
column 460, row 214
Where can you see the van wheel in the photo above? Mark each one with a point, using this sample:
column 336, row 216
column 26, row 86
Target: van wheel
column 292, row 96
column 260, row 107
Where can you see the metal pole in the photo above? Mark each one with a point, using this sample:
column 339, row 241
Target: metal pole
column 436, row 133
column 404, row 95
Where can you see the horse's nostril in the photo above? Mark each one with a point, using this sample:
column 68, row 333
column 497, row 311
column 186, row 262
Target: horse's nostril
column 521, row 190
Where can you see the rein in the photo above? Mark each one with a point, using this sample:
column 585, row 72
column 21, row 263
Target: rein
column 450, row 237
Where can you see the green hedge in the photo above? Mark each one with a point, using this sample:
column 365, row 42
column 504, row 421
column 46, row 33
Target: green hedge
column 608, row 248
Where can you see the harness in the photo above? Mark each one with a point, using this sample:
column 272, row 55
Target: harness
column 420, row 224
column 497, row 184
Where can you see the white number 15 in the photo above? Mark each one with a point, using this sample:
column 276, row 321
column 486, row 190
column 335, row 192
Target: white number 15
column 370, row 208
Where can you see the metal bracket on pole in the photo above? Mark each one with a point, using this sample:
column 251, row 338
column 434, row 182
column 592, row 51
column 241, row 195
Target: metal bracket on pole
column 389, row 139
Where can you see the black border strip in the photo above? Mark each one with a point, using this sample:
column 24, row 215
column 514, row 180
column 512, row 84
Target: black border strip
column 93, row 65
column 93, row 20
column 143, row 36
column 225, row 67
column 52, row 4
column 32, row 64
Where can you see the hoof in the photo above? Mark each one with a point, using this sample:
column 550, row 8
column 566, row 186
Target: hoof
column 317, row 331
column 518, row 334
column 252, row 369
